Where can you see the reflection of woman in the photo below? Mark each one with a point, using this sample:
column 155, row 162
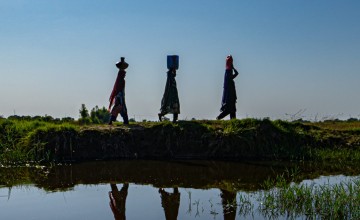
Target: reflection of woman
column 170, row 101
column 171, row 203
column 228, row 200
column 228, row 103
column 118, row 200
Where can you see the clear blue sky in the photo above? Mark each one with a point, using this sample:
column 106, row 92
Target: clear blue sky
column 291, row 55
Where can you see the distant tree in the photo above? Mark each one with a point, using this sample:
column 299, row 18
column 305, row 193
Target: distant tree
column 14, row 117
column 332, row 120
column 301, row 120
column 67, row 119
column 37, row 118
column 47, row 118
column 84, row 113
column 25, row 118
column 57, row 120
column 352, row 119
column 132, row 120
column 99, row 115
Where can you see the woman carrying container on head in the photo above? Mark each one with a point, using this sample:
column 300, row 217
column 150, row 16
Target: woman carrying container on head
column 117, row 96
column 170, row 101
column 228, row 104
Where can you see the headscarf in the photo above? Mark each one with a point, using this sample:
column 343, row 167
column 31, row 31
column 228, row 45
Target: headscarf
column 229, row 62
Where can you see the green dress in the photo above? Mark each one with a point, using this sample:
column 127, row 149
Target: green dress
column 170, row 101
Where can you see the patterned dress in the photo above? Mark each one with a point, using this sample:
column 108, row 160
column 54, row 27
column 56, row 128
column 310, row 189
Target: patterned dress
column 117, row 98
column 170, row 101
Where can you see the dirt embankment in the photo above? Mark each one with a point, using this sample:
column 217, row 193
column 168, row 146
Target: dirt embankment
column 232, row 140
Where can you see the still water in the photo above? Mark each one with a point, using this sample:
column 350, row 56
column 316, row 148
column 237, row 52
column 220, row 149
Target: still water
column 133, row 190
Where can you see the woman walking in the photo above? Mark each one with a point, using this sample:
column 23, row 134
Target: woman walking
column 170, row 101
column 228, row 104
column 117, row 96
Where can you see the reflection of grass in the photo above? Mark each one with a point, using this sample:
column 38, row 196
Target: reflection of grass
column 18, row 176
column 246, row 206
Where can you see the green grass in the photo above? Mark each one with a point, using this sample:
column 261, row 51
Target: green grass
column 338, row 201
column 19, row 139
column 282, row 196
column 261, row 139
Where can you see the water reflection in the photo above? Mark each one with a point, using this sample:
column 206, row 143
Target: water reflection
column 229, row 176
column 228, row 200
column 118, row 200
column 135, row 190
column 170, row 202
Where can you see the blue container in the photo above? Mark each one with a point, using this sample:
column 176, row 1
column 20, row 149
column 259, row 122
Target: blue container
column 173, row 62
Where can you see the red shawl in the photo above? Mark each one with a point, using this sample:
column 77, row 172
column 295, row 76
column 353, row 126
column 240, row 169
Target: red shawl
column 118, row 86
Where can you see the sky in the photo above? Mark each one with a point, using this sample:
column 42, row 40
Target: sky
column 294, row 57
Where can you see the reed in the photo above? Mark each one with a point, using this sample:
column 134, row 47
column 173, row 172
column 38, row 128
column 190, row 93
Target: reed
column 338, row 201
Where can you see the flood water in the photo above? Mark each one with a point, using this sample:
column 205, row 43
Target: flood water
column 133, row 190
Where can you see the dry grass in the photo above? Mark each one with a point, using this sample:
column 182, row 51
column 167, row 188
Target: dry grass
column 337, row 125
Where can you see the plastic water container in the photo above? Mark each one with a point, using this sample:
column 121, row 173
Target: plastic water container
column 173, row 62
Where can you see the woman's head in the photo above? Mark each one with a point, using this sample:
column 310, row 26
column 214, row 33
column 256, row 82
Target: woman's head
column 229, row 62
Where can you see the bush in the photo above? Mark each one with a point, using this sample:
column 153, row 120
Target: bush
column 85, row 121
column 99, row 115
column 67, row 119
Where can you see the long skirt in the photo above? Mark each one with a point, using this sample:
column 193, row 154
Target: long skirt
column 120, row 106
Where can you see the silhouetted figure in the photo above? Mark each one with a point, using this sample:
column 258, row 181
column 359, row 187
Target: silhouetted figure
column 170, row 101
column 171, row 203
column 117, row 96
column 228, row 200
column 118, row 201
column 228, row 104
